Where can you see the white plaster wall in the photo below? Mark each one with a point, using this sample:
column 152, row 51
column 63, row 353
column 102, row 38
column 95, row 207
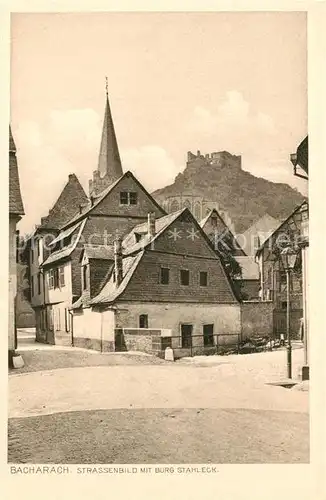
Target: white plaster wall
column 225, row 317
column 12, row 283
column 63, row 294
column 108, row 325
column 87, row 324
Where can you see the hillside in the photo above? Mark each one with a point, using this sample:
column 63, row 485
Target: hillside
column 245, row 197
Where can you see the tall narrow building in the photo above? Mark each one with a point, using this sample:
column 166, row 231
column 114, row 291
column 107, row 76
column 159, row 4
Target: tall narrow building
column 109, row 168
column 16, row 211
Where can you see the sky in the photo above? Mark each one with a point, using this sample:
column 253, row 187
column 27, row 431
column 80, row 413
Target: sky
column 177, row 82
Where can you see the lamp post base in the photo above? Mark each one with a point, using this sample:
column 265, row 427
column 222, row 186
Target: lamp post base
column 305, row 372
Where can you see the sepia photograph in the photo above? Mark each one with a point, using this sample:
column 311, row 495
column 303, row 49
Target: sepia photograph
column 158, row 240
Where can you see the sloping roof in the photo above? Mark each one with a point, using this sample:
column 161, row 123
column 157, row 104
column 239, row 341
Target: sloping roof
column 133, row 252
column 296, row 210
column 16, row 206
column 106, row 191
column 67, row 204
column 67, row 250
column 110, row 292
column 235, row 244
column 64, row 234
column 250, row 269
column 130, row 245
column 99, row 252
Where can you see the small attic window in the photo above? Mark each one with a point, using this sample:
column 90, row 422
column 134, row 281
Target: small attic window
column 128, row 198
column 138, row 237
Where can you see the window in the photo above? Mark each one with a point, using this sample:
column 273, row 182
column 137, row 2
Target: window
column 39, row 276
column 124, row 198
column 256, row 242
column 56, row 277
column 128, row 198
column 62, row 276
column 208, row 334
column 51, row 279
column 184, row 277
column 133, row 198
column 32, row 286
column 186, row 336
column 84, row 277
column 143, row 321
column 165, row 276
column 203, row 278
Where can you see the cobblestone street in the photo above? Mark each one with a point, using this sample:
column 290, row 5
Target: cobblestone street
column 134, row 408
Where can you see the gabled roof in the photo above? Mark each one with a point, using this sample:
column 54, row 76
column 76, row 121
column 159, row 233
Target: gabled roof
column 16, row 206
column 65, row 252
column 68, row 203
column 213, row 213
column 295, row 211
column 105, row 193
column 133, row 253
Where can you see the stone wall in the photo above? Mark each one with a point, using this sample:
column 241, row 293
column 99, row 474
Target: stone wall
column 256, row 318
column 138, row 339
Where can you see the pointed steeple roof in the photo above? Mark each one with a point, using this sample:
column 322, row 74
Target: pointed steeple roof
column 12, row 145
column 109, row 163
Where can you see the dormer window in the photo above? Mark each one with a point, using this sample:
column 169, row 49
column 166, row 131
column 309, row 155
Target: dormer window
column 128, row 198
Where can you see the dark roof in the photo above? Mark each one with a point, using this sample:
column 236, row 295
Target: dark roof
column 235, row 246
column 133, row 253
column 100, row 198
column 109, row 158
column 16, row 206
column 66, row 251
column 302, row 155
column 66, row 206
column 99, row 252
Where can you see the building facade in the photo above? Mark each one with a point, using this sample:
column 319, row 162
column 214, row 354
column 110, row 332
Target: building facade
column 117, row 202
column 273, row 275
column 164, row 280
column 16, row 211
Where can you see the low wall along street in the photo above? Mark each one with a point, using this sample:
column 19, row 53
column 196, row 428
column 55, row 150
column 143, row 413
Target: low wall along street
column 256, row 319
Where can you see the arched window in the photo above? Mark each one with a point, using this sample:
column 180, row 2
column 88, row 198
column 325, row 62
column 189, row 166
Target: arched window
column 186, row 204
column 174, row 207
column 197, row 211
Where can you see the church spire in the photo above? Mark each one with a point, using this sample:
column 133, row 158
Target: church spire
column 109, row 167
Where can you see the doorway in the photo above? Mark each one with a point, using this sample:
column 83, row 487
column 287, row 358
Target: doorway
column 186, row 336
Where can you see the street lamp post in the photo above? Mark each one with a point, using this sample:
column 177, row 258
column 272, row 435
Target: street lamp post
column 288, row 257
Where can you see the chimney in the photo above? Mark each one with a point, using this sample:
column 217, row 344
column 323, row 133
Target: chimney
column 118, row 261
column 80, row 209
column 198, row 153
column 151, row 225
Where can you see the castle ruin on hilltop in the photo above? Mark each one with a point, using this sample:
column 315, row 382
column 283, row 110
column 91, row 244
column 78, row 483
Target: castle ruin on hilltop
column 197, row 203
